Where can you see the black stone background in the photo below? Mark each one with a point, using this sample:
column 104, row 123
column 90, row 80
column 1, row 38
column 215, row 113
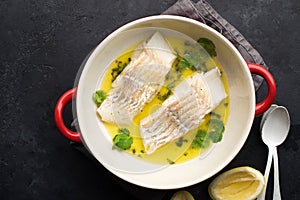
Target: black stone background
column 42, row 44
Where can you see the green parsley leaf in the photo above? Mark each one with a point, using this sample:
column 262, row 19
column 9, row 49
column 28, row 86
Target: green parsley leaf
column 124, row 131
column 122, row 140
column 180, row 141
column 201, row 140
column 185, row 64
column 190, row 60
column 215, row 130
column 194, row 58
column 216, row 136
column 171, row 162
column 118, row 69
column 209, row 46
column 99, row 96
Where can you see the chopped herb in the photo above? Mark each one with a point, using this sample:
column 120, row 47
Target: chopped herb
column 117, row 70
column 185, row 154
column 209, row 46
column 133, row 151
column 173, row 77
column 163, row 96
column 99, row 96
column 200, row 140
column 216, row 136
column 185, row 64
column 180, row 141
column 177, row 66
column 194, row 60
column 122, row 140
column 226, row 104
column 124, row 130
column 142, row 151
column 170, row 161
column 190, row 60
column 215, row 130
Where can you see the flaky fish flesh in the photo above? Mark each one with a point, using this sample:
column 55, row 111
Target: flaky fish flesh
column 183, row 111
column 139, row 82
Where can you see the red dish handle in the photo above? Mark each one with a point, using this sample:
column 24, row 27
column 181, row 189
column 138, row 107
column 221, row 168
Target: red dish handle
column 267, row 102
column 60, row 105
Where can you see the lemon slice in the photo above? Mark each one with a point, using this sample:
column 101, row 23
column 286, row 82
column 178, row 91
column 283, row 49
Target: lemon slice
column 238, row 183
column 182, row 195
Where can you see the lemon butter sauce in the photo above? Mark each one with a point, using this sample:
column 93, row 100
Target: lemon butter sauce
column 181, row 149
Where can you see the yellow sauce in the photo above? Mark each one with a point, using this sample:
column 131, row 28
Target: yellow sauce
column 170, row 153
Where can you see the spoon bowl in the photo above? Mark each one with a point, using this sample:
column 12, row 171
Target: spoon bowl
column 265, row 115
column 276, row 126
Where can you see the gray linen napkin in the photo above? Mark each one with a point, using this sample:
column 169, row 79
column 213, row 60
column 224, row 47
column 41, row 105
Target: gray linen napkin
column 203, row 12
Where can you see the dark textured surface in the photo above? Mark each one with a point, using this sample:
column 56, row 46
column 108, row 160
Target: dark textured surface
column 41, row 48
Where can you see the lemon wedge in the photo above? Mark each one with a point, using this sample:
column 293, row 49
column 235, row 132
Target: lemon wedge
column 239, row 183
column 182, row 195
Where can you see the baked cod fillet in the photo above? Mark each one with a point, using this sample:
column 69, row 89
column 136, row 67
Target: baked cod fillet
column 139, row 82
column 184, row 110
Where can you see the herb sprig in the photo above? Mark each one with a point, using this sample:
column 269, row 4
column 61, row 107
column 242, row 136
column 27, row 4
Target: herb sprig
column 99, row 96
column 122, row 140
column 195, row 58
column 214, row 134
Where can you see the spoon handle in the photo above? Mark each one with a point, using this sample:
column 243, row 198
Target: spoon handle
column 276, row 192
column 267, row 172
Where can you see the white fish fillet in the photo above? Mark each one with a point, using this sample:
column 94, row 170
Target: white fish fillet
column 184, row 110
column 139, row 82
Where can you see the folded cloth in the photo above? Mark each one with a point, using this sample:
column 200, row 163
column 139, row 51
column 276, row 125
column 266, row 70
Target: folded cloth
column 203, row 12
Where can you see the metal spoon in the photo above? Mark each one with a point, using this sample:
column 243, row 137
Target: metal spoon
column 269, row 161
column 274, row 130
